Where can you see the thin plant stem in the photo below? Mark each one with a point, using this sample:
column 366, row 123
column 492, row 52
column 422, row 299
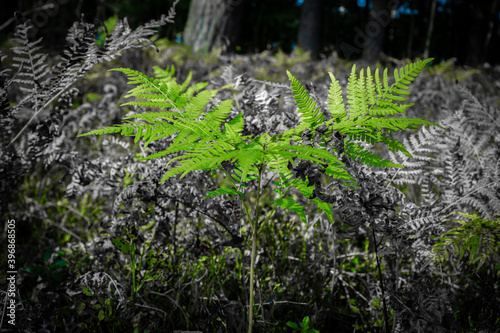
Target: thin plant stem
column 386, row 315
column 255, row 229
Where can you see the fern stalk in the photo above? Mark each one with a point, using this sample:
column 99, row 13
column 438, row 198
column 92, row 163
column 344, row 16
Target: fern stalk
column 386, row 315
column 37, row 112
column 255, row 229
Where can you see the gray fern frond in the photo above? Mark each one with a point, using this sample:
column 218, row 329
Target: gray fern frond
column 228, row 75
column 33, row 72
column 270, row 84
column 79, row 57
column 422, row 149
column 422, row 220
column 463, row 167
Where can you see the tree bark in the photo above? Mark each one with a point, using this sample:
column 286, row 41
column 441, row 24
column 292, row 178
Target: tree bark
column 309, row 30
column 431, row 28
column 491, row 24
column 375, row 29
column 476, row 33
column 409, row 46
column 213, row 24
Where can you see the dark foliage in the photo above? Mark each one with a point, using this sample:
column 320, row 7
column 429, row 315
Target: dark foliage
column 101, row 245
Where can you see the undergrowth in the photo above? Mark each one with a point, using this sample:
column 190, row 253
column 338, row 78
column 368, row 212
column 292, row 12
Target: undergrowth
column 102, row 245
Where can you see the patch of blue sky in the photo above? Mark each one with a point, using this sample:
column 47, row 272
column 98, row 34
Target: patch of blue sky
column 405, row 10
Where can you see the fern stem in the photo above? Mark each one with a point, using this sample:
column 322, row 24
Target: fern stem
column 255, row 228
column 37, row 112
column 241, row 198
column 468, row 194
column 386, row 316
column 252, row 272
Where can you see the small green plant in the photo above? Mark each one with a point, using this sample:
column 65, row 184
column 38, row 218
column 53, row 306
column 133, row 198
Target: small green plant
column 303, row 327
column 149, row 260
column 323, row 143
column 475, row 240
column 53, row 270
column 105, row 308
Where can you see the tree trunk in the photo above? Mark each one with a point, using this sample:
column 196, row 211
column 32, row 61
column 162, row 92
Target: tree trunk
column 429, row 31
column 476, row 33
column 374, row 32
column 309, row 30
column 491, row 24
column 213, row 24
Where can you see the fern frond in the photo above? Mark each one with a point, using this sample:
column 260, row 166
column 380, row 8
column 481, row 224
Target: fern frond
column 33, row 73
column 388, row 96
column 479, row 237
column 357, row 95
column 289, row 203
column 247, row 159
column 420, row 147
column 166, row 74
column 234, row 126
column 367, row 157
column 157, row 93
column 123, row 129
column 252, row 174
column 335, row 99
column 79, row 57
column 207, row 140
column 214, row 118
column 311, row 116
column 195, row 107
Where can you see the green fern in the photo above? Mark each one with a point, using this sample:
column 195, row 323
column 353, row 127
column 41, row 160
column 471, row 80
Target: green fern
column 477, row 237
column 205, row 146
column 369, row 105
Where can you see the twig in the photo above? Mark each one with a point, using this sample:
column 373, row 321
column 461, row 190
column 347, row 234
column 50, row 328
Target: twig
column 386, row 316
column 279, row 302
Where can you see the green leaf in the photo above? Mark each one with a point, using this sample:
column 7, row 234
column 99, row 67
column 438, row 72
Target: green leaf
column 305, row 322
column 122, row 245
column 101, row 315
column 151, row 259
column 335, row 99
column 223, row 190
column 147, row 226
column 236, row 124
column 293, row 325
column 59, row 264
column 46, row 255
column 86, row 291
column 152, row 276
column 38, row 270
column 80, row 307
column 289, row 203
column 110, row 23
